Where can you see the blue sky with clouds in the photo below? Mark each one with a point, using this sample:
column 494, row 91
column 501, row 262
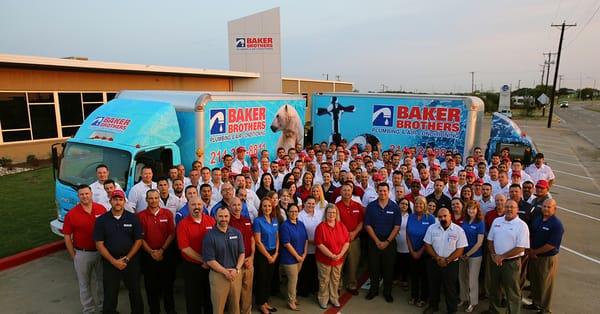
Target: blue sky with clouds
column 425, row 46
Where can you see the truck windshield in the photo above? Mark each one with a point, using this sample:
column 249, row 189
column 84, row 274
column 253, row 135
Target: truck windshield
column 80, row 161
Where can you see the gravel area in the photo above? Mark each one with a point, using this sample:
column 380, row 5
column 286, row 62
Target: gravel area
column 6, row 171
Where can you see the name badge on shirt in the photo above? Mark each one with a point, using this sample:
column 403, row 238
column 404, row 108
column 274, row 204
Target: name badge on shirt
column 127, row 225
column 98, row 216
column 208, row 227
column 546, row 228
column 389, row 212
column 473, row 227
column 163, row 220
column 247, row 224
column 233, row 237
column 356, row 211
column 274, row 225
column 425, row 222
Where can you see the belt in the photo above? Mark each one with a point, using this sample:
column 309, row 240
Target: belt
column 86, row 250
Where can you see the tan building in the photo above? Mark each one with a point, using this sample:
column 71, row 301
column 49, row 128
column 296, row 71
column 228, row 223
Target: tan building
column 44, row 100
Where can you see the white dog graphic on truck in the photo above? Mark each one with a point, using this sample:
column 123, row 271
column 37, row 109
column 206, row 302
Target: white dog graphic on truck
column 289, row 123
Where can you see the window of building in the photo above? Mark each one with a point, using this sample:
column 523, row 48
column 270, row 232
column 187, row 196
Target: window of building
column 26, row 116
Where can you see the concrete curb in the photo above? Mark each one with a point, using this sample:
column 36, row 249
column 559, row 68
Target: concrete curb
column 29, row 255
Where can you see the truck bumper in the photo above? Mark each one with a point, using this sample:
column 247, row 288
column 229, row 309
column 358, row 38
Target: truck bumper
column 56, row 227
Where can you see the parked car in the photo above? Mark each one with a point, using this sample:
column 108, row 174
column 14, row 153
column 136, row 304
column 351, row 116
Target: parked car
column 506, row 112
column 564, row 104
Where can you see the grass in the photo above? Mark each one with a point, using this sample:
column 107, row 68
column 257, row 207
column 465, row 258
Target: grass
column 26, row 207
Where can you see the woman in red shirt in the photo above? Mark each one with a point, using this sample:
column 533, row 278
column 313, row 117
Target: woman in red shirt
column 305, row 189
column 458, row 211
column 332, row 241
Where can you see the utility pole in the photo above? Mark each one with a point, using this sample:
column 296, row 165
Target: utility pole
column 562, row 34
column 543, row 71
column 325, row 76
column 560, row 78
column 472, row 82
column 549, row 63
column 337, row 77
column 519, row 85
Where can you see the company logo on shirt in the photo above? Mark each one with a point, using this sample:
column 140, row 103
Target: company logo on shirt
column 383, row 115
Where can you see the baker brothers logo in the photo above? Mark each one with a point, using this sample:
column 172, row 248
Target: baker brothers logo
column 382, row 115
column 218, row 123
column 240, row 42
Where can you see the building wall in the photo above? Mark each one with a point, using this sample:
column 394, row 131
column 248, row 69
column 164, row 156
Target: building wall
column 19, row 79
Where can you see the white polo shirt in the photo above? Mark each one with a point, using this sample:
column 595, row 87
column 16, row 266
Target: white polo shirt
column 99, row 193
column 310, row 223
column 487, row 206
column 542, row 173
column 173, row 204
column 445, row 241
column 137, row 195
column 509, row 234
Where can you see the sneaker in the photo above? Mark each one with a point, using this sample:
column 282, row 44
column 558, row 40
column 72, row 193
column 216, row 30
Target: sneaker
column 323, row 306
column 470, row 308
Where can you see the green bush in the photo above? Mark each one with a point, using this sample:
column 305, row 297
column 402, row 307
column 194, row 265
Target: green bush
column 5, row 162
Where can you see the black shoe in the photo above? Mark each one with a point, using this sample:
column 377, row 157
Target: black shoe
column 388, row 298
column 430, row 310
column 371, row 295
column 353, row 291
column 272, row 309
column 531, row 307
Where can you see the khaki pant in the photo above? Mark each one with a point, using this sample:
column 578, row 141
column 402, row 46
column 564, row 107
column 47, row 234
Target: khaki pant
column 329, row 282
column 246, row 295
column 291, row 272
column 542, row 272
column 468, row 275
column 88, row 267
column 351, row 266
column 506, row 276
column 223, row 291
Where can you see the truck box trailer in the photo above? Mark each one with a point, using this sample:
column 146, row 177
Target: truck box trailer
column 165, row 128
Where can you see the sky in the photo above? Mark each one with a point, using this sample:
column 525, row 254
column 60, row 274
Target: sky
column 418, row 46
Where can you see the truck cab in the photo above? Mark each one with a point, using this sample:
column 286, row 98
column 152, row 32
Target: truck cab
column 125, row 134
column 506, row 133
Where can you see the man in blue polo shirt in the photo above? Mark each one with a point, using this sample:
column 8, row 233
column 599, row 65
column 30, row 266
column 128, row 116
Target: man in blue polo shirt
column 382, row 222
column 546, row 236
column 118, row 235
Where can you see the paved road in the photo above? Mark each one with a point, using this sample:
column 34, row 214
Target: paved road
column 48, row 285
column 582, row 120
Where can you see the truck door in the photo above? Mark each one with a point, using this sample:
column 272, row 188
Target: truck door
column 160, row 159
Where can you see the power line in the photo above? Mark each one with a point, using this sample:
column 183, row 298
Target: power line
column 585, row 25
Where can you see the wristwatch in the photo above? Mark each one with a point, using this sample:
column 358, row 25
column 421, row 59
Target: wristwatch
column 126, row 260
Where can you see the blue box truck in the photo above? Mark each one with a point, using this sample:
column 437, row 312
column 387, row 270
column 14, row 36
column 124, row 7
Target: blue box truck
column 166, row 128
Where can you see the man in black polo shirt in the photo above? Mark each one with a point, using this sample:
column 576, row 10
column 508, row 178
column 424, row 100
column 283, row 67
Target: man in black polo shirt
column 118, row 237
column 382, row 222
column 223, row 251
column 438, row 196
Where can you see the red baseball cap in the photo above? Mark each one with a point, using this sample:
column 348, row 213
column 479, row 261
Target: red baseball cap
column 253, row 156
column 240, row 149
column 415, row 181
column 406, row 150
column 506, row 159
column 245, row 169
column 516, row 174
column 453, row 178
column 419, row 157
column 281, row 162
column 431, row 154
column 435, row 166
column 117, row 193
column 470, row 174
column 543, row 184
column 377, row 177
column 478, row 181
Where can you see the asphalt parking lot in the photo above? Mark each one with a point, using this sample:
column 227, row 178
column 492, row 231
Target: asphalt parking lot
column 48, row 285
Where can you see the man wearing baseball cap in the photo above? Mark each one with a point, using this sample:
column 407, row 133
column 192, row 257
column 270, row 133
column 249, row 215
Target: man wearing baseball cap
column 118, row 235
column 542, row 193
column 240, row 160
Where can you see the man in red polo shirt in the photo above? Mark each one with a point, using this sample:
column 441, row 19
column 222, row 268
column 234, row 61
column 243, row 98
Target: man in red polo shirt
column 351, row 214
column 158, row 264
column 190, row 234
column 244, row 225
column 78, row 229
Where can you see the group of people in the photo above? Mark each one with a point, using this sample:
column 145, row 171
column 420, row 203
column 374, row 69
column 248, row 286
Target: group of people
column 311, row 215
